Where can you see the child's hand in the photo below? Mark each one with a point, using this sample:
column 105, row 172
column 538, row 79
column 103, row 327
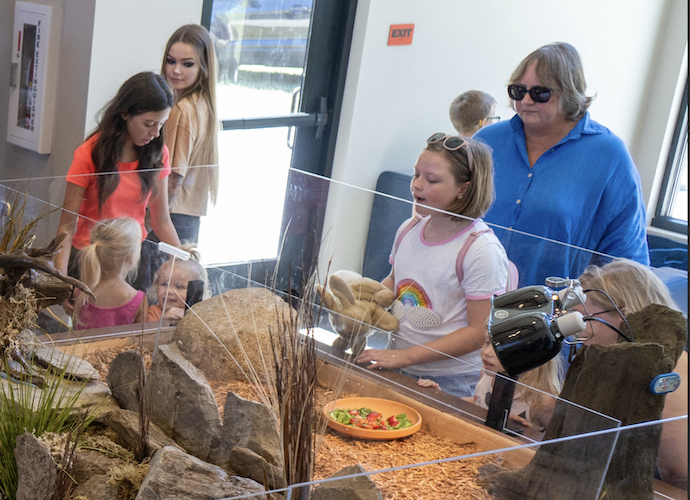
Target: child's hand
column 425, row 382
column 525, row 424
column 174, row 313
column 68, row 306
column 383, row 358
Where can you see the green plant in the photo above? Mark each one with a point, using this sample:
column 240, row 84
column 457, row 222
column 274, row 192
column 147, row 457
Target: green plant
column 25, row 408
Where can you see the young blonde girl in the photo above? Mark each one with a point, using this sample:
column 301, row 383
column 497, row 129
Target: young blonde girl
column 104, row 265
column 189, row 66
column 535, row 395
column 170, row 286
column 446, row 266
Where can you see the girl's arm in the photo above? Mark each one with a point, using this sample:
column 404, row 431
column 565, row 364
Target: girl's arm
column 672, row 460
column 68, row 223
column 174, row 185
column 389, row 281
column 144, row 306
column 160, row 215
column 457, row 343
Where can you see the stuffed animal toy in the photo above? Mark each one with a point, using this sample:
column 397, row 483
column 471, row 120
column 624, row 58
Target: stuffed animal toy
column 358, row 305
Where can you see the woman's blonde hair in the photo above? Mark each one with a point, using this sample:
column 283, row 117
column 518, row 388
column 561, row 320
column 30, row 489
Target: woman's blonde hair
column 193, row 266
column 630, row 285
column 114, row 251
column 480, row 193
column 198, row 37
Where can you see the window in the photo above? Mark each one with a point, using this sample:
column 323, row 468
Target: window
column 672, row 207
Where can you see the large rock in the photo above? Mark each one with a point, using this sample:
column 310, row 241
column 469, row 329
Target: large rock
column 61, row 362
column 247, row 463
column 354, row 488
column 36, row 469
column 240, row 320
column 174, row 475
column 251, row 425
column 123, row 379
column 125, row 424
column 182, row 403
column 93, row 396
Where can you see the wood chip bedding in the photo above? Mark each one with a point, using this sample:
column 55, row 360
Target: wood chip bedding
column 447, row 481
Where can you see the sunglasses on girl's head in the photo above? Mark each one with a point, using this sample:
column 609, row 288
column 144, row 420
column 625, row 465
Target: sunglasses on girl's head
column 453, row 143
column 538, row 94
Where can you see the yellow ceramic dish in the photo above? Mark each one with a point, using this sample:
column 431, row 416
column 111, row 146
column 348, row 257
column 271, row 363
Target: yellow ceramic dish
column 383, row 406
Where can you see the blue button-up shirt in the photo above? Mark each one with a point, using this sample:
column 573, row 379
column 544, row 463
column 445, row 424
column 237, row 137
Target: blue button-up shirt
column 583, row 193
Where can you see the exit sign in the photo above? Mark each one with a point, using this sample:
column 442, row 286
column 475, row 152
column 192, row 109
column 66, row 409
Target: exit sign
column 400, row 34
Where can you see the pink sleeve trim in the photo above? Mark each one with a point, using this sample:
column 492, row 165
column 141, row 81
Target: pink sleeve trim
column 481, row 297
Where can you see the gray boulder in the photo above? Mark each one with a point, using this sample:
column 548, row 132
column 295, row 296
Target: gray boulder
column 241, row 320
column 174, row 475
column 123, row 379
column 36, row 468
column 355, row 488
column 182, row 403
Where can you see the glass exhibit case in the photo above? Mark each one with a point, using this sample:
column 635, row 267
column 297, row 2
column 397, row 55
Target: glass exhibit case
column 248, row 384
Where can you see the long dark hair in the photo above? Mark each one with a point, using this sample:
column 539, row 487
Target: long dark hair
column 142, row 93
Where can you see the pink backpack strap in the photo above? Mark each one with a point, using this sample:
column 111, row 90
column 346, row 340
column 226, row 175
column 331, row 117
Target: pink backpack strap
column 513, row 275
column 404, row 232
column 463, row 251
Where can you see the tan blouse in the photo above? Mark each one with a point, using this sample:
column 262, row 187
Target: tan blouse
column 184, row 132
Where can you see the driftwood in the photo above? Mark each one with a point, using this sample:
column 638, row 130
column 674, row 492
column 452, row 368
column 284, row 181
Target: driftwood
column 613, row 380
column 29, row 283
column 21, row 267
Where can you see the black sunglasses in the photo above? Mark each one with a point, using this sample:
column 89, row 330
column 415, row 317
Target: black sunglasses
column 538, row 94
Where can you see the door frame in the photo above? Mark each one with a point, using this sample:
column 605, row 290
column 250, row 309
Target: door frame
column 316, row 131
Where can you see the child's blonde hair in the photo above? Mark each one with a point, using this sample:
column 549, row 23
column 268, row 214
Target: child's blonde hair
column 114, row 251
column 544, row 378
column 469, row 109
column 193, row 265
column 480, row 193
column 630, row 285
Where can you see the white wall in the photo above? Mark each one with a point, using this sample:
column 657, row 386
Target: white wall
column 129, row 37
column 396, row 96
column 102, row 44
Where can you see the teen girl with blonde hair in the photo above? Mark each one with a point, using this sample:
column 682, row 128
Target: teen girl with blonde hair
column 189, row 66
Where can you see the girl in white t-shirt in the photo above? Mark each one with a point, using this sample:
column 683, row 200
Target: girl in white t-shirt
column 447, row 264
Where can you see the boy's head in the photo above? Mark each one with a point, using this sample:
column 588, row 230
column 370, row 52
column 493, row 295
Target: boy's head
column 472, row 110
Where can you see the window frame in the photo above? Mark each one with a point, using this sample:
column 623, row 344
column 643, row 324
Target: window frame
column 672, row 172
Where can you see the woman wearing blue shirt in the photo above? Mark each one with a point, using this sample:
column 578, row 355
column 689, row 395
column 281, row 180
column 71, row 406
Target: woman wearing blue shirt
column 560, row 176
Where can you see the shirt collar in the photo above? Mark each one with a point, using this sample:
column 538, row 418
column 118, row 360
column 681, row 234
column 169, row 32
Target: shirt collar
column 585, row 126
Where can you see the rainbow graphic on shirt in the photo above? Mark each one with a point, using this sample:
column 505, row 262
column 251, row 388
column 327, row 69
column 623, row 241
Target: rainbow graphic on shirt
column 411, row 294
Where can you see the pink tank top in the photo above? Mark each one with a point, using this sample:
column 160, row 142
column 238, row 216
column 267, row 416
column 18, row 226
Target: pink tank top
column 91, row 316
